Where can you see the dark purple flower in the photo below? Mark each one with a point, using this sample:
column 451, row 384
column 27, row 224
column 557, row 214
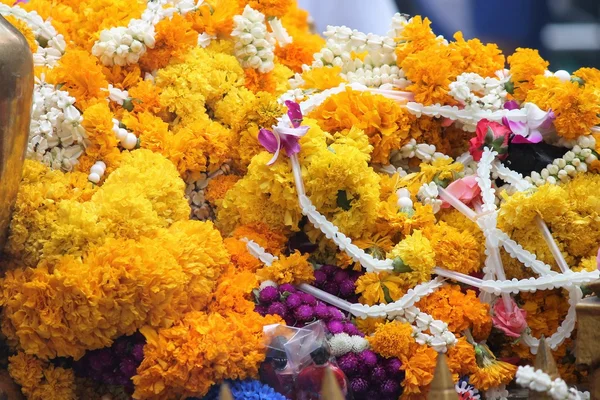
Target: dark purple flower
column 329, row 269
column 335, row 313
column 320, row 278
column 128, row 367
column 268, row 295
column 294, row 112
column 331, row 287
column 352, row 330
column 335, row 327
column 372, row 394
column 289, row 320
column 340, row 276
column 322, row 311
column 308, row 299
column 393, row 367
column 347, row 288
column 304, row 313
column 359, row 385
column 120, row 345
column 101, row 359
column 368, row 358
column 390, row 387
column 348, row 363
column 286, row 287
column 138, row 352
column 277, row 308
column 262, row 310
column 293, row 300
column 378, row 374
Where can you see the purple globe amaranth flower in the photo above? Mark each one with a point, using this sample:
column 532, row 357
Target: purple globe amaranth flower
column 286, row 287
column 308, row 299
column 393, row 367
column 335, row 314
column 359, row 385
column 320, row 278
column 340, row 276
column 262, row 310
column 368, row 357
column 351, row 329
column 322, row 311
column 128, row 367
column 120, row 345
column 329, row 270
column 378, row 374
column 137, row 352
column 101, row 359
column 335, row 327
column 347, row 288
column 304, row 313
column 348, row 363
column 268, row 295
column 289, row 320
column 331, row 287
column 293, row 300
column 389, row 387
column 277, row 308
column 372, row 394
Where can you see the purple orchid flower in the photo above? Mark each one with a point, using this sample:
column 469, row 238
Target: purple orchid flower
column 531, row 131
column 282, row 137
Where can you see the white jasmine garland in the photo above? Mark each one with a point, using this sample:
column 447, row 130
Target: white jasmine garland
column 539, row 381
column 56, row 136
column 428, row 194
column 254, row 45
column 279, row 32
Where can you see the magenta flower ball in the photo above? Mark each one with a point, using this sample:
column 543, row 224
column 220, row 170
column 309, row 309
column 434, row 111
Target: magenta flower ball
column 331, row 288
column 293, row 300
column 308, row 299
column 268, row 295
column 359, row 385
column 277, row 308
column 304, row 313
column 335, row 327
column 351, row 329
column 393, row 367
column 347, row 288
column 328, row 270
column 320, row 278
column 348, row 363
column 335, row 313
column 340, row 276
column 368, row 357
column 262, row 310
column 378, row 374
column 286, row 287
column 389, row 387
column 322, row 311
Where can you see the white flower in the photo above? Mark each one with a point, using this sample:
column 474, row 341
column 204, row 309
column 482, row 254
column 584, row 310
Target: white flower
column 281, row 35
column 254, row 46
column 358, row 343
column 340, row 344
column 204, row 39
column 117, row 95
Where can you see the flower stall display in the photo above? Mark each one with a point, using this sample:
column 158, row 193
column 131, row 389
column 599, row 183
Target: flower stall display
column 202, row 172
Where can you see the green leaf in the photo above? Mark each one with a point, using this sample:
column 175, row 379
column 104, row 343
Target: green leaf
column 498, row 142
column 122, row 125
column 128, row 104
column 399, row 266
column 441, row 182
column 509, row 87
column 342, row 200
column 285, row 295
column 376, row 252
column 578, row 80
column 386, row 294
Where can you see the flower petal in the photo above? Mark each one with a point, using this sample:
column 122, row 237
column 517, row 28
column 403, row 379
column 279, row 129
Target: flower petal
column 268, row 140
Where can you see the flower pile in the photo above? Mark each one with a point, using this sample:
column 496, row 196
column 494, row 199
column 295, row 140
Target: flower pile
column 199, row 169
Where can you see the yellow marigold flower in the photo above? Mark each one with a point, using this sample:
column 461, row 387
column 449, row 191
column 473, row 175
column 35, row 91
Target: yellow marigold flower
column 24, row 29
column 446, row 239
column 589, row 264
column 376, row 288
column 576, row 107
column 416, row 36
column 416, row 258
column 97, row 121
column 525, row 65
column 322, row 78
column 81, row 75
column 490, row 372
column 368, row 325
column 418, row 370
column 193, row 357
column 391, row 221
column 443, row 169
column 520, row 210
column 459, row 310
column 590, row 76
column 458, row 221
column 40, row 380
column 294, row 269
column 474, row 56
column 385, row 123
column 217, row 188
column 354, row 137
column 174, row 37
column 394, row 339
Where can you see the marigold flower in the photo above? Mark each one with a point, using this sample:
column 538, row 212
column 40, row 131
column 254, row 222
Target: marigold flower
column 490, row 372
column 525, row 66
column 294, row 269
column 417, row 257
column 376, row 288
column 394, row 339
column 40, row 380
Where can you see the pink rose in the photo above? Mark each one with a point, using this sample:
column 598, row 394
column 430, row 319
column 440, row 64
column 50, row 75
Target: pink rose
column 511, row 323
column 492, row 135
column 465, row 189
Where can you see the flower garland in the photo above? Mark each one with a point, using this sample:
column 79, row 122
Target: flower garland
column 539, row 381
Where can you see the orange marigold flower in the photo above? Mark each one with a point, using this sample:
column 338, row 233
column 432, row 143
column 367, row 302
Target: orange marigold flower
column 40, row 380
column 300, row 51
column 461, row 358
column 271, row 240
column 258, row 82
column 416, row 36
column 590, row 76
column 240, row 257
column 97, row 121
column 174, row 36
column 81, row 75
column 474, row 56
column 294, row 269
column 233, row 292
column 322, row 78
column 418, row 370
column 145, row 97
column 459, row 310
column 577, row 107
column 394, row 339
column 525, row 65
column 215, row 17
column 446, row 239
column 271, row 8
column 490, row 372
column 123, row 77
column 218, row 187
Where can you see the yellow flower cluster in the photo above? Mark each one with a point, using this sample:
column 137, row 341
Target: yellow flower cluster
column 40, row 380
column 417, row 255
column 294, row 269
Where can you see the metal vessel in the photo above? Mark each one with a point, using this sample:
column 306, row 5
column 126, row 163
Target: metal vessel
column 16, row 91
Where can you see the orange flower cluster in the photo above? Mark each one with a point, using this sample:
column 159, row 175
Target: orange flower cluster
column 294, row 269
column 525, row 65
column 40, row 380
column 200, row 350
